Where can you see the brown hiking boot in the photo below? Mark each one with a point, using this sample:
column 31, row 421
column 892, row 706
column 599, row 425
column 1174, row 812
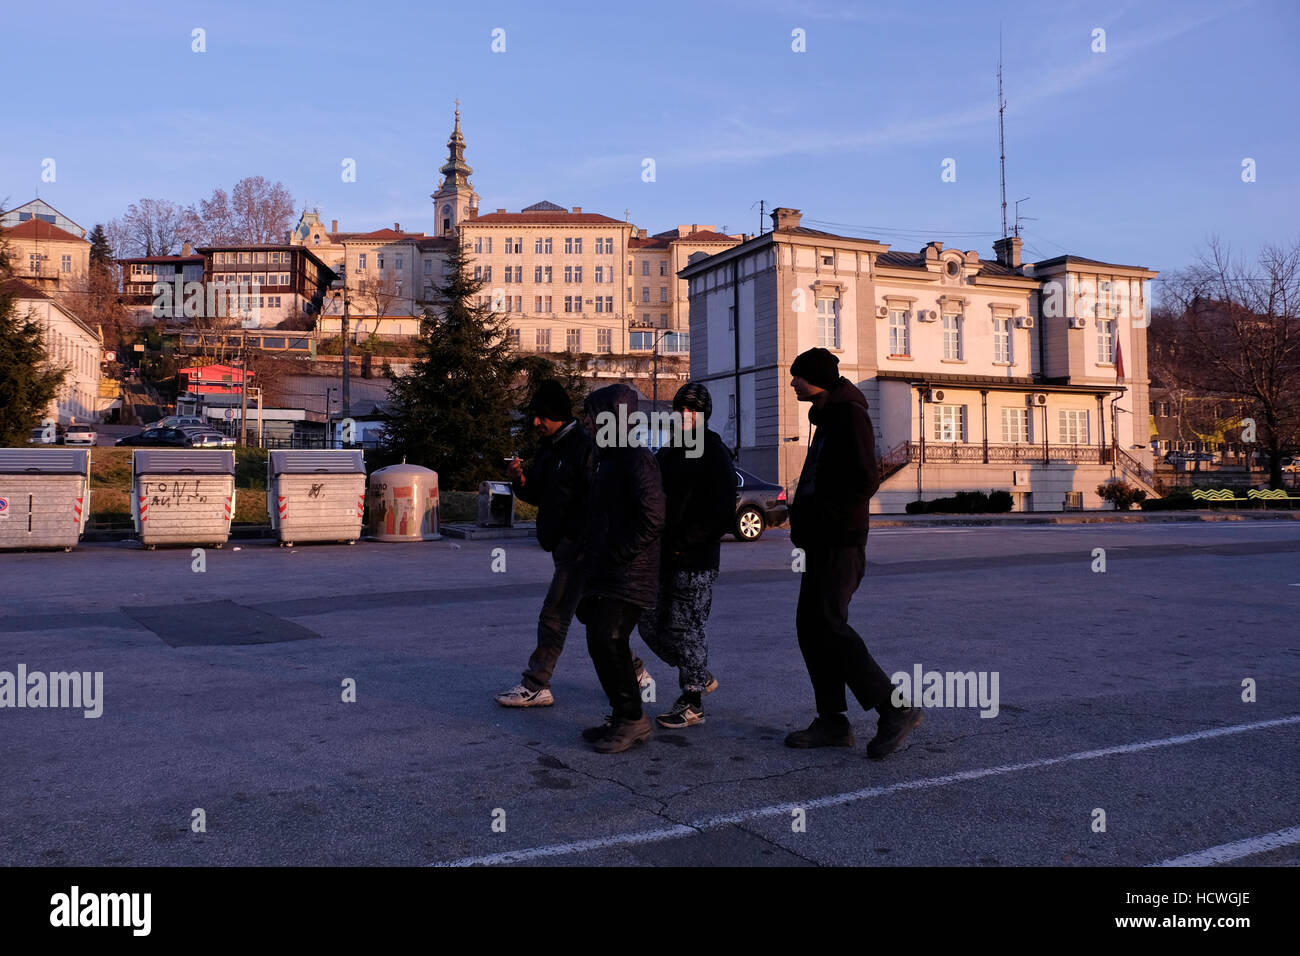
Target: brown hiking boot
column 623, row 734
column 892, row 729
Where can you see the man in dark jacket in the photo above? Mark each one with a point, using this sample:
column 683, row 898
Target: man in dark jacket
column 557, row 482
column 620, row 561
column 700, row 486
column 829, row 520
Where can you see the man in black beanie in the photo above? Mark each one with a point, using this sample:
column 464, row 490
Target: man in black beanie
column 556, row 481
column 829, row 520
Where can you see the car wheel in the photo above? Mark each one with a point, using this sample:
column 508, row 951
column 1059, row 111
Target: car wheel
column 749, row 525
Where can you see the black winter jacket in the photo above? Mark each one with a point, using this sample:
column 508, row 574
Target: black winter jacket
column 701, row 495
column 625, row 517
column 557, row 481
column 832, row 500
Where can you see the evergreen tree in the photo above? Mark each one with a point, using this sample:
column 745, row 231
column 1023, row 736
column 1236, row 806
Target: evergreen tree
column 27, row 383
column 453, row 412
column 101, row 253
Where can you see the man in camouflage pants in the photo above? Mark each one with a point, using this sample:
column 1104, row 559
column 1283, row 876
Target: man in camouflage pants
column 700, row 485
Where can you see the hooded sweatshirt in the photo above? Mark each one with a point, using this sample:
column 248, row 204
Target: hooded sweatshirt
column 832, row 500
column 625, row 516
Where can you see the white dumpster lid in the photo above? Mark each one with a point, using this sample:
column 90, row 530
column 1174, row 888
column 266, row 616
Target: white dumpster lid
column 170, row 462
column 303, row 461
column 52, row 461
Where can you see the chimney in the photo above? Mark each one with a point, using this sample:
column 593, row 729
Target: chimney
column 786, row 218
column 500, row 210
column 187, row 249
column 1007, row 250
column 577, row 209
column 334, row 225
column 397, row 227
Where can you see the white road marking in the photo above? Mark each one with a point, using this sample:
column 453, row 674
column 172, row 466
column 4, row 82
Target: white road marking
column 1237, row 849
column 840, row 799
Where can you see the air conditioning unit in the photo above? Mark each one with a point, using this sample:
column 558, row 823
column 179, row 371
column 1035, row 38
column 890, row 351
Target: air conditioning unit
column 1078, row 322
column 934, row 395
column 1024, row 321
column 927, row 315
column 882, row 312
column 1037, row 398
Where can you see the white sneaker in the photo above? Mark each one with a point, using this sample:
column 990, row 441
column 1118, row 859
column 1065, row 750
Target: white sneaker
column 521, row 696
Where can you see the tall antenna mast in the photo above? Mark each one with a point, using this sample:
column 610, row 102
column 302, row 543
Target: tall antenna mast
column 1002, row 140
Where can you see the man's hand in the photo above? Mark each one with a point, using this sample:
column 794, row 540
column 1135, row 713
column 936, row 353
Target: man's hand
column 515, row 470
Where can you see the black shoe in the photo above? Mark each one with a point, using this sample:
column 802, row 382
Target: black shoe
column 623, row 735
column 892, row 729
column 820, row 733
column 592, row 734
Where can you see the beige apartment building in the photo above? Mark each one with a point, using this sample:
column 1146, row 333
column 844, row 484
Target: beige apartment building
column 70, row 344
column 46, row 256
column 980, row 374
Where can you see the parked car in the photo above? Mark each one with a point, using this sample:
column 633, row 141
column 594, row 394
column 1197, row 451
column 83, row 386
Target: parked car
column 157, row 438
column 1291, row 465
column 79, row 435
column 38, row 436
column 759, row 505
column 179, row 421
column 207, row 438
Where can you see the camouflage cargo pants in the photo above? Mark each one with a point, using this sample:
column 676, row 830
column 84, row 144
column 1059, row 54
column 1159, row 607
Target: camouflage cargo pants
column 674, row 629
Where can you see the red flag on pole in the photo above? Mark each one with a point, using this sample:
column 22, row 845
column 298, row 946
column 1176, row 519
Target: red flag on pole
column 1119, row 364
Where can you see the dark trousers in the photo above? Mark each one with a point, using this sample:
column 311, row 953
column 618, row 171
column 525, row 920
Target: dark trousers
column 833, row 652
column 609, row 627
column 674, row 629
column 557, row 613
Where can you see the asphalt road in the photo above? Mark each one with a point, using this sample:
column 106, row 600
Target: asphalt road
column 1119, row 691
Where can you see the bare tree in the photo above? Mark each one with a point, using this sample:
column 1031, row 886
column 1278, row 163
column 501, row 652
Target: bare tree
column 381, row 295
column 212, row 222
column 151, row 227
column 262, row 211
column 1232, row 331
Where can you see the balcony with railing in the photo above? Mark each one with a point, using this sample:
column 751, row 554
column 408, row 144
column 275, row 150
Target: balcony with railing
column 965, row 452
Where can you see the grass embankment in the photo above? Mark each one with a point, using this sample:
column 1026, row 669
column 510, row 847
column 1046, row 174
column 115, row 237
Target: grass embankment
column 110, row 492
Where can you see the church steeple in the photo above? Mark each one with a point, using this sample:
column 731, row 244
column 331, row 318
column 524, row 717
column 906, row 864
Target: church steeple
column 455, row 201
column 456, row 171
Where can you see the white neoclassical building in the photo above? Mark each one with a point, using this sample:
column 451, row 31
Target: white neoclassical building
column 981, row 374
column 70, row 344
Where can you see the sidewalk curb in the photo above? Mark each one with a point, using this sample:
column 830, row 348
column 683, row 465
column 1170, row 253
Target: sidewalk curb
column 1099, row 517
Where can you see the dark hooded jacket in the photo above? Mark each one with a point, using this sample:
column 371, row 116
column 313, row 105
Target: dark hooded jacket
column 701, row 494
column 840, row 474
column 625, row 512
column 557, row 481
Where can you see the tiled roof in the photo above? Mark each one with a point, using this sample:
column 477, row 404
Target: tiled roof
column 805, row 231
column 40, row 229
column 564, row 218
column 433, row 243
column 642, row 243
column 20, row 289
column 385, row 234
column 544, row 206
column 991, row 268
column 1067, row 259
column 705, row 235
column 907, row 260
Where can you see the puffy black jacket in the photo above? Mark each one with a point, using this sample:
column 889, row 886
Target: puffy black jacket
column 832, row 500
column 625, row 514
column 557, row 481
column 701, row 495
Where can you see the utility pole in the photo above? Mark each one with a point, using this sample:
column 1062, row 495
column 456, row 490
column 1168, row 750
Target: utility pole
column 243, row 386
column 347, row 364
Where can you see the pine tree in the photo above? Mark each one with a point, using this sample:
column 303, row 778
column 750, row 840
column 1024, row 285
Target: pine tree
column 27, row 383
column 101, row 253
column 453, row 412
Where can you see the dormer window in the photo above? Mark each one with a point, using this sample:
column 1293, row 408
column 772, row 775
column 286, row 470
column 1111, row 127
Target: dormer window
column 953, row 268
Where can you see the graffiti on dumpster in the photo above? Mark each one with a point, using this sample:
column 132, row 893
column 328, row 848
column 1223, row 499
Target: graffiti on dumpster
column 165, row 494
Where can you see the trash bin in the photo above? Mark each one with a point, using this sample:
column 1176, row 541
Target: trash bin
column 496, row 505
column 404, row 504
column 44, row 497
column 182, row 497
column 316, row 495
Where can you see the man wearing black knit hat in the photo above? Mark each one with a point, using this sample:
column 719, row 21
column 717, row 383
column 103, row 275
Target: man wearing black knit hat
column 557, row 482
column 700, row 486
column 829, row 520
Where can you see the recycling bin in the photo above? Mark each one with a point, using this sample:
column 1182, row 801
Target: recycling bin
column 182, row 497
column 44, row 497
column 496, row 505
column 404, row 504
column 316, row 495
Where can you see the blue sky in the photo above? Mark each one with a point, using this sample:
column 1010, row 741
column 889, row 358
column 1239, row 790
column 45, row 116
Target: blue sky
column 1132, row 155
